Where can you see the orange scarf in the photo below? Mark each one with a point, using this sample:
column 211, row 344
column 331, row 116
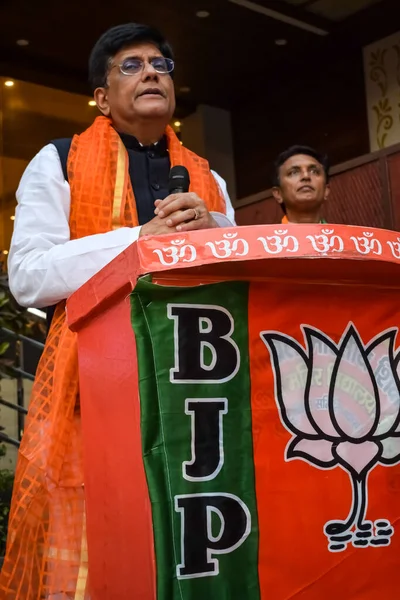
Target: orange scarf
column 46, row 549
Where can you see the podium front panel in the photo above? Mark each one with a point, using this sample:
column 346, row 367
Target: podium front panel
column 240, row 398
column 270, row 420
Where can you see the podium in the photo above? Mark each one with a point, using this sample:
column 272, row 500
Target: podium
column 240, row 398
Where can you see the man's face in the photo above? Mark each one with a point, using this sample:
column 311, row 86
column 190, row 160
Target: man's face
column 303, row 185
column 145, row 95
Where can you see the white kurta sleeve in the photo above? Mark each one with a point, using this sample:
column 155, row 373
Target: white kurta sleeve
column 228, row 219
column 44, row 265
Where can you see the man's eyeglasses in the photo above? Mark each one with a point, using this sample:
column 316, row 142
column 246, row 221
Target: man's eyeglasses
column 133, row 66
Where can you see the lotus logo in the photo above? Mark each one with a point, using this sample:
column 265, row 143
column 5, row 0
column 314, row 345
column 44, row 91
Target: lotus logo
column 341, row 403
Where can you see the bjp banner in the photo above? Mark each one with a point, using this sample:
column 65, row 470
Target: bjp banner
column 270, row 416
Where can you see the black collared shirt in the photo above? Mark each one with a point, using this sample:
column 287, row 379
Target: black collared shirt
column 149, row 172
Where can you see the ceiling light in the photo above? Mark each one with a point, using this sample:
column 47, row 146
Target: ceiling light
column 177, row 123
column 12, row 217
column 281, row 42
column 202, row 14
column 22, row 42
column 92, row 103
column 9, row 83
column 5, row 251
column 185, row 89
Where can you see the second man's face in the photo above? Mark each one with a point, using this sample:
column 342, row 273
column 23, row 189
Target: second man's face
column 302, row 183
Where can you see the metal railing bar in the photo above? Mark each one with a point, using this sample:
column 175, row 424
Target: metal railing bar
column 8, row 440
column 20, row 409
column 22, row 373
column 22, row 338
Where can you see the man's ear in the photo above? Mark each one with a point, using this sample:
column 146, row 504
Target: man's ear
column 327, row 191
column 101, row 98
column 277, row 194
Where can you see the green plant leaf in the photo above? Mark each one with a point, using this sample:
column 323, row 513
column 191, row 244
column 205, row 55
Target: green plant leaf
column 4, row 346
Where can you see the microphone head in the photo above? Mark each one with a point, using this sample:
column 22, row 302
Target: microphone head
column 179, row 180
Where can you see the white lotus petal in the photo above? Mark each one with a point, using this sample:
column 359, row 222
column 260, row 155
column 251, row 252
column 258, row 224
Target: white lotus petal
column 389, row 397
column 354, row 401
column 358, row 456
column 290, row 372
column 324, row 358
column 318, row 452
column 391, row 449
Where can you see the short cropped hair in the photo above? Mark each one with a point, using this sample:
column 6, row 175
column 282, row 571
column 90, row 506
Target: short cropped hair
column 293, row 151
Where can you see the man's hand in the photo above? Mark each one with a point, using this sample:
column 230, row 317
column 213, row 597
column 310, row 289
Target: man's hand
column 156, row 226
column 184, row 212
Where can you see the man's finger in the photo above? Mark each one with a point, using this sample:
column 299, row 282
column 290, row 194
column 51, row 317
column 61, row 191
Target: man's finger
column 163, row 203
column 186, row 201
column 192, row 225
column 205, row 222
column 155, row 227
column 180, row 217
column 174, row 206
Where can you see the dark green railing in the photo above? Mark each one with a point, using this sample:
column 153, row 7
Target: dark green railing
column 18, row 371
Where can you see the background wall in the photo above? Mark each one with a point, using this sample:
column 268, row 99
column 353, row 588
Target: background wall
column 382, row 82
column 321, row 105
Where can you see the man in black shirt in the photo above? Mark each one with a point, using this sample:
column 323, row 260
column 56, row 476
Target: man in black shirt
column 78, row 209
column 130, row 70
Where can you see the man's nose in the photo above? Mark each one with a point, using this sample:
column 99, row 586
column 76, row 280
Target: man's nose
column 305, row 175
column 149, row 73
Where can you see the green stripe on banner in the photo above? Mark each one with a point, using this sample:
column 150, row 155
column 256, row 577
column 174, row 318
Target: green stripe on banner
column 197, row 439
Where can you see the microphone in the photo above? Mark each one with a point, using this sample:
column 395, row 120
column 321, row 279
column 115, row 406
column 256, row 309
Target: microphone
column 179, row 180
